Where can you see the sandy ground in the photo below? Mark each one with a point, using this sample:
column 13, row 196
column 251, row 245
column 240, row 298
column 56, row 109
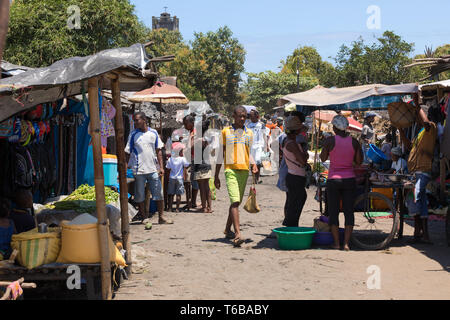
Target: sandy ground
column 191, row 260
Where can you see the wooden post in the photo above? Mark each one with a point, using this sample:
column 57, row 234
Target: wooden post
column 103, row 229
column 443, row 174
column 4, row 22
column 122, row 168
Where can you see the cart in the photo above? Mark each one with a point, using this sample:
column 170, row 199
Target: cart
column 375, row 226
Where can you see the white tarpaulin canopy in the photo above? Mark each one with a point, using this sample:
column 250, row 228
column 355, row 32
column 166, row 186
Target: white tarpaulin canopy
column 435, row 85
column 320, row 97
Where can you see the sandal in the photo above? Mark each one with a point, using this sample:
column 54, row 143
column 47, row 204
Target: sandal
column 237, row 242
column 229, row 235
column 138, row 217
column 164, row 221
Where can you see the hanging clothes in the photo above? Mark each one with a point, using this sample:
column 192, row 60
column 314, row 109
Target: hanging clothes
column 106, row 124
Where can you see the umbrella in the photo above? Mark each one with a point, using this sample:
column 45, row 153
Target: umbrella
column 160, row 93
column 327, row 116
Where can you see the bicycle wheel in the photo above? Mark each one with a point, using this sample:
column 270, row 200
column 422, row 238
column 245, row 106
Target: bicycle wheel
column 376, row 221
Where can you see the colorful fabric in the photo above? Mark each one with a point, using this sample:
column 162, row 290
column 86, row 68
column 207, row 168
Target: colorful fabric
column 106, row 124
column 237, row 145
column 16, row 290
column 236, row 182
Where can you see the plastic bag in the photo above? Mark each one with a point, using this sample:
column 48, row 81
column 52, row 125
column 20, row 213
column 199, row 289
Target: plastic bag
column 251, row 206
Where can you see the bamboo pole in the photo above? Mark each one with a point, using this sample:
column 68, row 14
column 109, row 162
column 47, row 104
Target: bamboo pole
column 122, row 168
column 99, row 188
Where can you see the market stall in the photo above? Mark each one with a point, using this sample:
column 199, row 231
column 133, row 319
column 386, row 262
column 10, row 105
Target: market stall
column 436, row 96
column 379, row 217
column 129, row 69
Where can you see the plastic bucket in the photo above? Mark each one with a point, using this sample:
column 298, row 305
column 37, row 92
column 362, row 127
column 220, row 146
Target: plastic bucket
column 375, row 154
column 294, row 238
column 326, row 238
column 110, row 169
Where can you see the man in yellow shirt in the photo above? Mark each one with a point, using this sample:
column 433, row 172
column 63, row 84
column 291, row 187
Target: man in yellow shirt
column 237, row 141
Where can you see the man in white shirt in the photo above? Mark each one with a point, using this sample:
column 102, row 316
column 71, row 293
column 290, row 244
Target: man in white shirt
column 145, row 159
column 259, row 139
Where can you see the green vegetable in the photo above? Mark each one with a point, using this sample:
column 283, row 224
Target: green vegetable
column 83, row 199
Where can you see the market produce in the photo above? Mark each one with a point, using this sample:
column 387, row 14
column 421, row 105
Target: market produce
column 83, row 199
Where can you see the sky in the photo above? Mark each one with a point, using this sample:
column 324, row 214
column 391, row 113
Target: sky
column 270, row 30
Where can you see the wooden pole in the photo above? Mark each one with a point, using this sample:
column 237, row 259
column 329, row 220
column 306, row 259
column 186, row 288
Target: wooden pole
column 103, row 229
column 4, row 22
column 122, row 168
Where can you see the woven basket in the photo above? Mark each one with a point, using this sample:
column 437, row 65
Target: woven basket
column 401, row 114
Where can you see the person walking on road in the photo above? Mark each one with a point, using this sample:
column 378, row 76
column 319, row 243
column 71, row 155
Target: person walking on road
column 259, row 140
column 237, row 141
column 144, row 157
column 343, row 151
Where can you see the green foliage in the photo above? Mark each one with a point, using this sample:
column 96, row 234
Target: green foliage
column 208, row 68
column 310, row 65
column 38, row 33
column 265, row 88
column 382, row 62
column 219, row 62
column 439, row 52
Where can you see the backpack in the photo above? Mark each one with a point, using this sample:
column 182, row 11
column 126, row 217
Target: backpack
column 23, row 168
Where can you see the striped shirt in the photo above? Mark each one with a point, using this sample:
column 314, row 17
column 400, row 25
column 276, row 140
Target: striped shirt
column 237, row 144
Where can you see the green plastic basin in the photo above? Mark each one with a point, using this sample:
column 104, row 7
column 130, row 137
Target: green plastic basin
column 294, row 238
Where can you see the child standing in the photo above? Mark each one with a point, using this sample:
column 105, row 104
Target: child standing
column 7, row 229
column 176, row 164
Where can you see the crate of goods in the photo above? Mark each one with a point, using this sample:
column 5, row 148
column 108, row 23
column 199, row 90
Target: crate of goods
column 378, row 204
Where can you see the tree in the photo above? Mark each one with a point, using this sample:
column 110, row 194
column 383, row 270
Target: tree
column 382, row 62
column 39, row 32
column 219, row 60
column 310, row 65
column 265, row 88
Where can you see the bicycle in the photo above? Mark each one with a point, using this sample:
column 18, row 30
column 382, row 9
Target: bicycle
column 376, row 216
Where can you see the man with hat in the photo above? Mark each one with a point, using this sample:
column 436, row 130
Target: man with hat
column 343, row 151
column 399, row 164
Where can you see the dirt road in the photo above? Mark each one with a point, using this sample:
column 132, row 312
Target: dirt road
column 192, row 260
